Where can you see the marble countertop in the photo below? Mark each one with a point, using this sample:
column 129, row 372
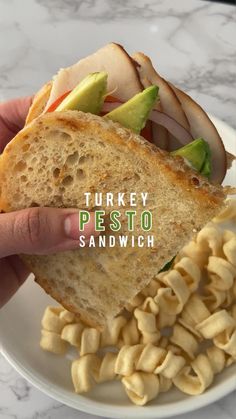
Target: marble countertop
column 192, row 42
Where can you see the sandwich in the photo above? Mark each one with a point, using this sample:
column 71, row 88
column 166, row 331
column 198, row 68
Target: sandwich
column 111, row 126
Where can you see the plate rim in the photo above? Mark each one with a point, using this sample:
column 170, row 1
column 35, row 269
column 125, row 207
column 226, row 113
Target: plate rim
column 92, row 407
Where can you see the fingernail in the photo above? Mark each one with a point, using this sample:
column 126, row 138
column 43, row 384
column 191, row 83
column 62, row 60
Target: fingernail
column 71, row 226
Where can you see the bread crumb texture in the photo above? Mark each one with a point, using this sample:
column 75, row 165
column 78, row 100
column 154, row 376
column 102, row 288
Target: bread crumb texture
column 58, row 157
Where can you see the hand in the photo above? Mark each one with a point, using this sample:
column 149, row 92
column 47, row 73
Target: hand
column 32, row 230
column 12, row 118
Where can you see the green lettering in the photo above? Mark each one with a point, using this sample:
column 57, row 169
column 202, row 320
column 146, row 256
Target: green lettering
column 115, row 225
column 146, row 220
column 130, row 216
column 84, row 217
column 99, row 219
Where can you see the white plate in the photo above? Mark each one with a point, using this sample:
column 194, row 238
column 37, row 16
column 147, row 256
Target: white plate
column 20, row 335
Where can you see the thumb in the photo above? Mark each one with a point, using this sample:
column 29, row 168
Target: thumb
column 41, row 231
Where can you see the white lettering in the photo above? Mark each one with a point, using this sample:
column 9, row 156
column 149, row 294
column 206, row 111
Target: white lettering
column 81, row 241
column 110, row 199
column 140, row 241
column 87, row 197
column 120, row 199
column 133, row 199
column 123, row 241
column 98, row 199
column 102, row 241
column 150, row 241
column 144, row 196
column 92, row 241
column 112, row 241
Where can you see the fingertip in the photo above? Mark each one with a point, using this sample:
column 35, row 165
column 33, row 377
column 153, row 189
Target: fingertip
column 72, row 226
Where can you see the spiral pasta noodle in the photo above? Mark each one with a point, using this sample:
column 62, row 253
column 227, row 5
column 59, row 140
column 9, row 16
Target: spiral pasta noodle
column 159, row 340
column 197, row 320
column 141, row 387
column 173, row 291
column 148, row 358
column 70, row 329
column 221, row 275
column 136, row 361
column 208, row 242
column 53, row 322
column 90, row 369
column 228, row 213
column 196, row 377
column 52, row 342
column 177, row 286
column 215, row 324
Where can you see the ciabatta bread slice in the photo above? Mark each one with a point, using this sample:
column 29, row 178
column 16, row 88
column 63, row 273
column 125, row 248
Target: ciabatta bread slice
column 61, row 155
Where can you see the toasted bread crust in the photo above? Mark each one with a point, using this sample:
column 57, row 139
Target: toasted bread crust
column 39, row 102
column 173, row 167
column 45, row 284
column 193, row 189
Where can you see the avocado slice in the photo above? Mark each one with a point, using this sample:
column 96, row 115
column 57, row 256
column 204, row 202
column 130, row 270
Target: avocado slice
column 206, row 168
column 198, row 155
column 88, row 95
column 134, row 113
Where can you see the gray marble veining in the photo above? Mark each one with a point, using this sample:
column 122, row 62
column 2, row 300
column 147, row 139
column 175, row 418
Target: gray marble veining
column 192, row 42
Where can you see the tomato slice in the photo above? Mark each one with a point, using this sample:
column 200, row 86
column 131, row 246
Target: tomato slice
column 147, row 131
column 112, row 99
column 57, row 102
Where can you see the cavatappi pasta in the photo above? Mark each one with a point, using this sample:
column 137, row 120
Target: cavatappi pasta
column 229, row 212
column 180, row 330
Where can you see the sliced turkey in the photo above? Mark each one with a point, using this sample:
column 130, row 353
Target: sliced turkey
column 168, row 99
column 122, row 73
column 201, row 126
